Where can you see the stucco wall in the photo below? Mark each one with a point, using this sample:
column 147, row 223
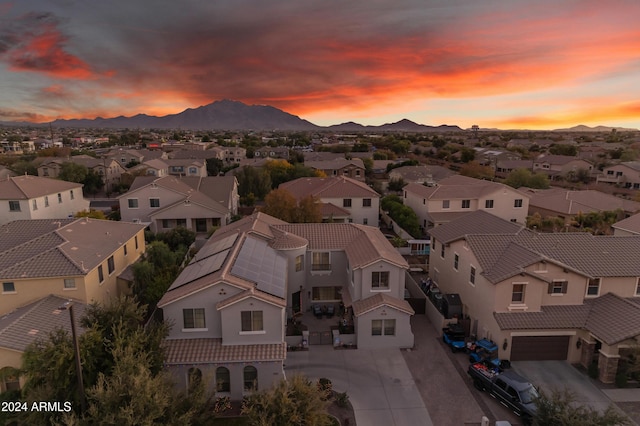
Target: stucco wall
column 273, row 321
column 403, row 337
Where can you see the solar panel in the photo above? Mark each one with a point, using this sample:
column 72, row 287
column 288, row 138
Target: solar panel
column 263, row 265
column 215, row 247
column 199, row 269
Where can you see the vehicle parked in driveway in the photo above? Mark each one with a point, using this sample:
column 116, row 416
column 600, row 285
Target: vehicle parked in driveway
column 487, row 351
column 510, row 389
column 453, row 336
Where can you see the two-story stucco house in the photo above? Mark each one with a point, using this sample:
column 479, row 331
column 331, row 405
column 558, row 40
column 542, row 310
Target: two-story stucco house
column 196, row 203
column 558, row 166
column 353, row 168
column 343, row 199
column 458, row 195
column 558, row 296
column 231, row 304
column 33, row 197
column 626, row 175
column 108, row 169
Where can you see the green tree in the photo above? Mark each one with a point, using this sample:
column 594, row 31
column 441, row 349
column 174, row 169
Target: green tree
column 72, row 172
column 523, row 177
column 253, row 181
column 94, row 214
column 153, row 276
column 563, row 149
column 396, row 184
column 92, row 182
column 22, row 167
column 368, row 166
column 309, row 210
column 279, row 170
column 214, row 166
column 293, row 402
column 467, row 155
column 560, row 409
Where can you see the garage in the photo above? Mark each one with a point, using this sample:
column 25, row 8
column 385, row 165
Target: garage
column 539, row 348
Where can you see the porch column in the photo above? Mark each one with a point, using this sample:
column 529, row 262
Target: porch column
column 608, row 367
column 587, row 352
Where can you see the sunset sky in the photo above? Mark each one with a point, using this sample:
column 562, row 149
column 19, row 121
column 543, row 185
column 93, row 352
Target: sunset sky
column 497, row 63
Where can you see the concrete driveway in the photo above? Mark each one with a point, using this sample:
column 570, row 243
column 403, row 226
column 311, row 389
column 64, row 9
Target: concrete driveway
column 378, row 382
column 558, row 375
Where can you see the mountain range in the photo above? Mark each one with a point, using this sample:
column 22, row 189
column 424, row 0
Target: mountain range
column 234, row 115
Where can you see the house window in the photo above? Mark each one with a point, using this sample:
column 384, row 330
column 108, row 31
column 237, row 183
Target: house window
column 193, row 318
column 111, row 265
column 69, row 283
column 488, row 204
column 593, row 288
column 517, row 293
column 357, row 173
column 71, row 193
column 299, row 263
column 557, row 287
column 136, row 241
column 517, row 203
column 609, row 172
column 346, row 202
column 59, row 198
column 154, row 202
column 445, row 204
column 14, row 206
column 385, row 327
column 125, row 249
column 366, row 202
column 133, row 203
column 380, row 279
column 472, row 275
column 46, row 201
column 45, row 171
column 165, row 223
column 194, row 377
column 251, row 321
column 250, row 375
column 320, row 261
column 193, row 170
column 181, row 223
column 8, row 287
column 326, row 293
column 223, row 380
column 456, row 260
column 365, row 221
column 466, row 204
column 34, row 203
column 442, row 251
column 100, row 274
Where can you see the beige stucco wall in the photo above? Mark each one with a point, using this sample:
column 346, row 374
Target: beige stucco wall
column 396, row 280
column 273, row 320
column 403, row 337
column 30, row 290
column 144, row 211
column 357, row 212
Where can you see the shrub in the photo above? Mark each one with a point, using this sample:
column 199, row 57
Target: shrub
column 342, row 399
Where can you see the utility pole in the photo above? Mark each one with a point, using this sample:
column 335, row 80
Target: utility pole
column 83, row 398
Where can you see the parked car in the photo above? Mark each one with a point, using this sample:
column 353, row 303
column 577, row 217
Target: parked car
column 512, row 390
column 453, row 336
column 487, row 351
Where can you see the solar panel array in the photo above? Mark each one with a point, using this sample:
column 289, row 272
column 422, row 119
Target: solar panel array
column 263, row 265
column 215, row 247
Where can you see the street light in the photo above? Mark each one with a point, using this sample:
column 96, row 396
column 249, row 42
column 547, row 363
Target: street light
column 69, row 306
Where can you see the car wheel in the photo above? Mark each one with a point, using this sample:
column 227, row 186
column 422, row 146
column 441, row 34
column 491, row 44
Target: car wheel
column 453, row 349
column 471, row 359
column 505, row 364
column 478, row 385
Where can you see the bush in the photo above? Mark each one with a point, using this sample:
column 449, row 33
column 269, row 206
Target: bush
column 342, row 399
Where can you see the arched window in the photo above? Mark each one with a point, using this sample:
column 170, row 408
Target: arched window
column 194, row 377
column 223, row 380
column 250, row 378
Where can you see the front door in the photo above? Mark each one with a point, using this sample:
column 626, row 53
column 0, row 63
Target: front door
column 201, row 225
column 296, row 302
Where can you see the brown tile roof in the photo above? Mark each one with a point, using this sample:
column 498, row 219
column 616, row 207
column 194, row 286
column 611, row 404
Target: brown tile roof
column 456, row 187
column 23, row 326
column 335, row 164
column 610, row 318
column 286, row 241
column 363, row 306
column 26, row 187
column 477, row 222
column 39, row 248
column 330, row 187
column 211, row 351
column 630, row 224
column 416, row 173
column 251, row 293
column 331, row 210
column 568, row 202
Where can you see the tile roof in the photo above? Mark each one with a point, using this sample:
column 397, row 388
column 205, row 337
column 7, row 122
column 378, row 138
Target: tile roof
column 210, row 351
column 26, row 187
column 630, row 224
column 363, row 306
column 331, row 210
column 414, row 173
column 46, row 248
column 335, row 164
column 330, row 187
column 573, row 202
column 23, row 326
column 556, row 159
column 283, row 240
column 610, row 318
column 251, row 293
column 456, row 187
column 477, row 222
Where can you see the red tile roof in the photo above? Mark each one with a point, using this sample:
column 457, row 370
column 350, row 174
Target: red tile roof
column 212, row 351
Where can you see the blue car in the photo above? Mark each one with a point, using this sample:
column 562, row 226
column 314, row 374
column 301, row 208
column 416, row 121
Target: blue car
column 486, row 351
column 453, row 336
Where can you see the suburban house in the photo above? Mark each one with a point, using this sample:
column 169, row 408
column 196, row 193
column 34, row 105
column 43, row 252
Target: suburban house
column 23, row 326
column 195, row 203
column 107, row 168
column 626, row 174
column 566, row 204
column 32, row 197
column 628, row 226
column 558, row 166
column 5, row 173
column 272, row 152
column 232, row 303
column 458, row 195
column 186, row 167
column 343, row 199
column 156, row 167
column 504, row 167
column 555, row 296
column 429, row 175
column 132, row 156
column 353, row 168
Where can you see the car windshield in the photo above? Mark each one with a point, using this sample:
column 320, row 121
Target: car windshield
column 528, row 395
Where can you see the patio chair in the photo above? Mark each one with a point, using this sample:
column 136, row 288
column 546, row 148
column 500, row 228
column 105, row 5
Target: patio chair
column 317, row 311
column 330, row 311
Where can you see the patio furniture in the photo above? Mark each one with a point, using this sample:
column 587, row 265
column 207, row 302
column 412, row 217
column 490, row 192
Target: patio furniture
column 317, row 311
column 330, row 311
